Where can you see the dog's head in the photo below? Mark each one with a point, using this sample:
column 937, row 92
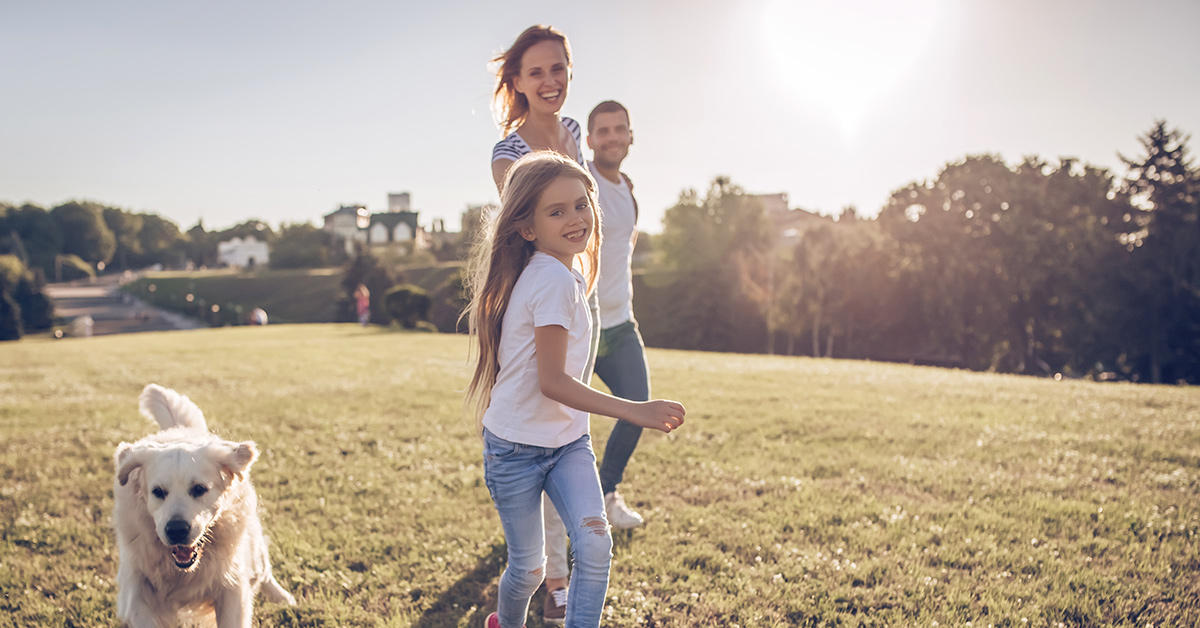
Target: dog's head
column 182, row 485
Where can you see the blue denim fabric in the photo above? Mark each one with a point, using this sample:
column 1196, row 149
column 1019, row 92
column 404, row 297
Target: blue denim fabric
column 516, row 475
column 621, row 364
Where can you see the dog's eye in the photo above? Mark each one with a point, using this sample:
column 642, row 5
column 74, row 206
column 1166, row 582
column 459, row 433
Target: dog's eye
column 159, row 493
column 198, row 490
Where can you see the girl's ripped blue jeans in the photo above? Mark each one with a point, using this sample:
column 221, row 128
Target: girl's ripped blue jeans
column 516, row 475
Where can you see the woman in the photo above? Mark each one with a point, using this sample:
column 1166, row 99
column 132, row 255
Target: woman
column 532, row 80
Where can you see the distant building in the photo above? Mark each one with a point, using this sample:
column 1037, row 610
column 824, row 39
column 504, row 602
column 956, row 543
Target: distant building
column 243, row 253
column 346, row 223
column 401, row 202
column 440, row 238
column 773, row 204
column 396, row 228
column 790, row 224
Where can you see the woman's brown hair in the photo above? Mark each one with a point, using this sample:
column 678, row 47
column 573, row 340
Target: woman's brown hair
column 508, row 105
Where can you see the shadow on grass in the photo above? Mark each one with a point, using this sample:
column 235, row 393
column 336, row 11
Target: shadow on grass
column 621, row 542
column 473, row 593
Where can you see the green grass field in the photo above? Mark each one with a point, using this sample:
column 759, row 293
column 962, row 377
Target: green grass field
column 800, row 492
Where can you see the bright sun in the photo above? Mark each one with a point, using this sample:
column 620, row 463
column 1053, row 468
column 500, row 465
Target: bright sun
column 844, row 55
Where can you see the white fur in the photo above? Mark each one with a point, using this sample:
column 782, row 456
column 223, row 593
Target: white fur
column 187, row 482
column 170, row 409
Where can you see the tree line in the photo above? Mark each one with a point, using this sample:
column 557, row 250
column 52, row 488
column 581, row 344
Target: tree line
column 1036, row 267
column 76, row 239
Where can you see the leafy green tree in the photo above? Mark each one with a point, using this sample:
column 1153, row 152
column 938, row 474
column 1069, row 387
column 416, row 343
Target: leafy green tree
column 726, row 225
column 408, row 305
column 832, row 287
column 10, row 241
column 931, row 222
column 25, row 288
column 10, row 317
column 1165, row 279
column 300, row 245
column 5, row 211
column 84, row 231
column 31, row 234
column 1068, row 283
column 126, row 228
column 160, row 242
column 449, row 301
column 366, row 269
column 807, row 286
column 717, row 246
column 1004, row 255
column 201, row 246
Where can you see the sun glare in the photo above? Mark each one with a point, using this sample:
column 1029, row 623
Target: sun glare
column 844, row 56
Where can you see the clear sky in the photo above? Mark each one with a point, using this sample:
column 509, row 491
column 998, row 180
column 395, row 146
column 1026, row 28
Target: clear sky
column 282, row 111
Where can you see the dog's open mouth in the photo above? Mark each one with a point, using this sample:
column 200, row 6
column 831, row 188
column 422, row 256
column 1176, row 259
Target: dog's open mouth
column 185, row 555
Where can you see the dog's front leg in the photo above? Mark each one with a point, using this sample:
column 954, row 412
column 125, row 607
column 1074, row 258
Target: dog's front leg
column 138, row 605
column 234, row 606
column 139, row 616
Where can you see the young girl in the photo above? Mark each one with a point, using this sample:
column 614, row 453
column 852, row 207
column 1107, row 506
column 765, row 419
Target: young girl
column 533, row 77
column 529, row 316
column 362, row 304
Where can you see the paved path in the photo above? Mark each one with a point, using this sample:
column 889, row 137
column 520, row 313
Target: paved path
column 112, row 311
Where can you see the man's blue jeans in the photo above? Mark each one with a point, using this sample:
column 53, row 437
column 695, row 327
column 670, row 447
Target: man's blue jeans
column 516, row 475
column 621, row 364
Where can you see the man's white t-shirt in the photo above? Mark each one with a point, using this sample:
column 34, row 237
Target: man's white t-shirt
column 546, row 293
column 616, row 250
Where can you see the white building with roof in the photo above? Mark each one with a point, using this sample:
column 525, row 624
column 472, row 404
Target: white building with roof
column 245, row 252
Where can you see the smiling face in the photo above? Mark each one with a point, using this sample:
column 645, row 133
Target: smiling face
column 544, row 77
column 610, row 138
column 562, row 220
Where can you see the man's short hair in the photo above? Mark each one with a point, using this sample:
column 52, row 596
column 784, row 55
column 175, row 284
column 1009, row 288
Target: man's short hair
column 608, row 106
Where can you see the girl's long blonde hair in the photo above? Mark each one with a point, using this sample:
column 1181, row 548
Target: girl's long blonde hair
column 501, row 253
column 508, row 105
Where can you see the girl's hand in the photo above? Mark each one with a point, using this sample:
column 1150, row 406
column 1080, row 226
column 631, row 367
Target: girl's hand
column 550, row 342
column 657, row 414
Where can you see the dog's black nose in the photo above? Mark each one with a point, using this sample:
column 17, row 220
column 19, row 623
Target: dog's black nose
column 177, row 531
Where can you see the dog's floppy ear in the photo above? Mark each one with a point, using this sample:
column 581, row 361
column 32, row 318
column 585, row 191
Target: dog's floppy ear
column 127, row 459
column 238, row 457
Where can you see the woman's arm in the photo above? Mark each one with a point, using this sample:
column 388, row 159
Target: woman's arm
column 550, row 342
column 499, row 169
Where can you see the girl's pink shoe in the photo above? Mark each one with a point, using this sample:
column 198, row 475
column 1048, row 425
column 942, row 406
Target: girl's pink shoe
column 493, row 621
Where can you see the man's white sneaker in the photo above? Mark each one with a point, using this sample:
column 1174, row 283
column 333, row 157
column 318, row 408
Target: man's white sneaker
column 619, row 515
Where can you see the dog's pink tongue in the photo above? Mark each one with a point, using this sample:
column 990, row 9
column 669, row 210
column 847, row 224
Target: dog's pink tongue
column 182, row 553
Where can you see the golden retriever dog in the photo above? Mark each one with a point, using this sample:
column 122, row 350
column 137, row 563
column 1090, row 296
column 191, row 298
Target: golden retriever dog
column 186, row 516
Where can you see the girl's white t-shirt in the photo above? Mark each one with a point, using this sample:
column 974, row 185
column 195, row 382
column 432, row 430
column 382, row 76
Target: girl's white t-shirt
column 546, row 293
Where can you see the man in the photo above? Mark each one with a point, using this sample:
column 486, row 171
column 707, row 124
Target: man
column 621, row 358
